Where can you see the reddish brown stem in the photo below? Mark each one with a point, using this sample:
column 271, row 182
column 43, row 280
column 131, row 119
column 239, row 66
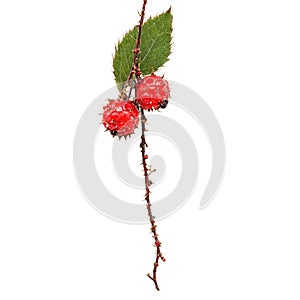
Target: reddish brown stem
column 143, row 146
column 157, row 243
column 135, row 70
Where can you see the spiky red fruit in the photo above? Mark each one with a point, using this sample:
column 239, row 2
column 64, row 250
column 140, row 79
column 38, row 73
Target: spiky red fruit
column 120, row 117
column 153, row 92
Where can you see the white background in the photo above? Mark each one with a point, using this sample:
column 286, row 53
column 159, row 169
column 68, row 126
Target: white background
column 243, row 58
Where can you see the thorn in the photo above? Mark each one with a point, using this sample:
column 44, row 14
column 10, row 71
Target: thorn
column 151, row 171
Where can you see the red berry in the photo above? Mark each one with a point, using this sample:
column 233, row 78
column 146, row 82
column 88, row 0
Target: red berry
column 157, row 243
column 153, row 92
column 120, row 117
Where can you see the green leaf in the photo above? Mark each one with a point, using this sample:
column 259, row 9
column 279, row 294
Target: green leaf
column 156, row 42
column 155, row 47
column 122, row 62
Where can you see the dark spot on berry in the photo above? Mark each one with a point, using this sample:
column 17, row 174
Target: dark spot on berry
column 164, row 104
column 114, row 133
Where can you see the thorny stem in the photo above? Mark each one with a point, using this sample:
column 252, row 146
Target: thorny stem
column 157, row 243
column 135, row 70
column 143, row 146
